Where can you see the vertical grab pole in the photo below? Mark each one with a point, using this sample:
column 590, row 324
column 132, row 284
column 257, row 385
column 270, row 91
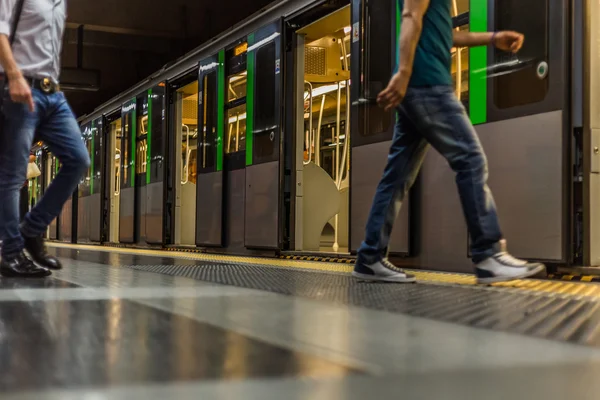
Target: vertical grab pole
column 337, row 156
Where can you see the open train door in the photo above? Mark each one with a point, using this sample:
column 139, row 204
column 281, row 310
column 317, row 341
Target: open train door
column 209, row 184
column 262, row 138
column 373, row 58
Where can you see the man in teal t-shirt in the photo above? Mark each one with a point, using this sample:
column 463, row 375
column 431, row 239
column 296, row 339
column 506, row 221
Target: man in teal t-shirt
column 430, row 114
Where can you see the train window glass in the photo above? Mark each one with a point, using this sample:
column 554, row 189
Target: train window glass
column 126, row 150
column 84, row 185
column 236, row 86
column 97, row 156
column 236, row 129
column 523, row 86
column 141, row 144
column 378, row 61
column 265, row 101
column 209, row 120
column 460, row 71
column 116, row 135
column 157, row 146
column 188, row 106
column 235, row 119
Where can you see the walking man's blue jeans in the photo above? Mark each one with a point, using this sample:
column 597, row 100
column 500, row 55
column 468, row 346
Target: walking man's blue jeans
column 433, row 116
column 53, row 123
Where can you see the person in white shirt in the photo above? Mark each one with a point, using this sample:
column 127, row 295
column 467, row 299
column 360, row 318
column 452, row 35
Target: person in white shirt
column 33, row 106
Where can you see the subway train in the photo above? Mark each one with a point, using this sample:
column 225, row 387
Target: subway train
column 266, row 141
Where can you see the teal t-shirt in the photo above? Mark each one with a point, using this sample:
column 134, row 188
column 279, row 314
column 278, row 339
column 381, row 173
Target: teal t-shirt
column 432, row 58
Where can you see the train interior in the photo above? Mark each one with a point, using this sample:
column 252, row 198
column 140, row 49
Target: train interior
column 115, row 145
column 322, row 211
column 186, row 131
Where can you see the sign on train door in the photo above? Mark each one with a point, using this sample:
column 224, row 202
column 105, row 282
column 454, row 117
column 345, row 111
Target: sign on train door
column 209, row 203
column 262, row 202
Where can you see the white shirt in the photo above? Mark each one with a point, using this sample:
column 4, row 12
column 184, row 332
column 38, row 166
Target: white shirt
column 38, row 41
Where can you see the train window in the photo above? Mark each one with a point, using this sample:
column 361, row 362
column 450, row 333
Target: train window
column 377, row 66
column 460, row 71
column 209, row 120
column 126, row 154
column 265, row 103
column 86, row 136
column 97, row 155
column 236, row 86
column 235, row 122
column 236, row 129
column 523, row 86
column 156, row 145
column 141, row 144
column 188, row 106
column 116, row 140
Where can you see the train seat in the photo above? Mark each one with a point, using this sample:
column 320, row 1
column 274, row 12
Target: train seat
column 321, row 201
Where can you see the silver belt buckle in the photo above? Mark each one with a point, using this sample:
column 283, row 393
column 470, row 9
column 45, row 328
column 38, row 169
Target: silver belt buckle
column 46, row 85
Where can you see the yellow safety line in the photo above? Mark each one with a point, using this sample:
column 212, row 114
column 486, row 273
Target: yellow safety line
column 561, row 287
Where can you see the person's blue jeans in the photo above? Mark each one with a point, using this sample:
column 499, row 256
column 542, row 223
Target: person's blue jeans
column 433, row 116
column 52, row 122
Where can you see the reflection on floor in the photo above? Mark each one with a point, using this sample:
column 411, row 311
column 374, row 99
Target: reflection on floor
column 97, row 330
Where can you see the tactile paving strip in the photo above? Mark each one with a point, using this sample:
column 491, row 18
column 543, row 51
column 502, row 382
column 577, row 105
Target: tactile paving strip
column 546, row 315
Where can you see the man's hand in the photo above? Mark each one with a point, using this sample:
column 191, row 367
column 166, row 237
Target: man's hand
column 392, row 96
column 508, row 41
column 20, row 92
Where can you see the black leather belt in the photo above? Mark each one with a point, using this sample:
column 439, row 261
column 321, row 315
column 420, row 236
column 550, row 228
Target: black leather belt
column 44, row 84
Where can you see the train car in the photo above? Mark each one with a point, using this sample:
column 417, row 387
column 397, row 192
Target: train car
column 256, row 143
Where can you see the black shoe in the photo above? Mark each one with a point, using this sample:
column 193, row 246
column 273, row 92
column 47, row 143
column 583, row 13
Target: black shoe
column 21, row 267
column 37, row 251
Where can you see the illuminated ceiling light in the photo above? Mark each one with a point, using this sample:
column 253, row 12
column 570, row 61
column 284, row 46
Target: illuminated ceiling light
column 208, row 67
column 240, row 117
column 320, row 91
column 263, row 42
column 347, row 30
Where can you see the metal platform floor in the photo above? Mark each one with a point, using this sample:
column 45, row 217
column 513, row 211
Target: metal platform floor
column 134, row 324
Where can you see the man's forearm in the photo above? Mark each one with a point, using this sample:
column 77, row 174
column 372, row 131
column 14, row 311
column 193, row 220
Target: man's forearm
column 472, row 39
column 7, row 60
column 412, row 25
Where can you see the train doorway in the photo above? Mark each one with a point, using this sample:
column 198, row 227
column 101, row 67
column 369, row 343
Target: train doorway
column 322, row 147
column 185, row 117
column 114, row 154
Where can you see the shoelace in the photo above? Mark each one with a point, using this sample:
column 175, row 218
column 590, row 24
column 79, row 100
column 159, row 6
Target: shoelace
column 391, row 266
column 509, row 260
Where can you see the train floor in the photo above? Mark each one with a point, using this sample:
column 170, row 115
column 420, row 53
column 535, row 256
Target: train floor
column 135, row 324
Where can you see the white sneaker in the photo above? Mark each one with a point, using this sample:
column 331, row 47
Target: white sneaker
column 502, row 267
column 382, row 271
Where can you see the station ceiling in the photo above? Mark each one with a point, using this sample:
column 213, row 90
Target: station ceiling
column 127, row 40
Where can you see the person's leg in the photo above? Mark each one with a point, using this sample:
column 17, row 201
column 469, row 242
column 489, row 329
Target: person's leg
column 60, row 131
column 405, row 158
column 16, row 137
column 448, row 129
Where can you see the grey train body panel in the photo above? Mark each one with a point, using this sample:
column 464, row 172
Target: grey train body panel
column 127, row 215
column 525, row 158
column 95, row 201
column 235, row 185
column 209, row 209
column 262, row 205
column 53, row 234
column 525, row 164
column 66, row 221
column 372, row 159
column 140, row 211
column 154, row 213
column 83, row 219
